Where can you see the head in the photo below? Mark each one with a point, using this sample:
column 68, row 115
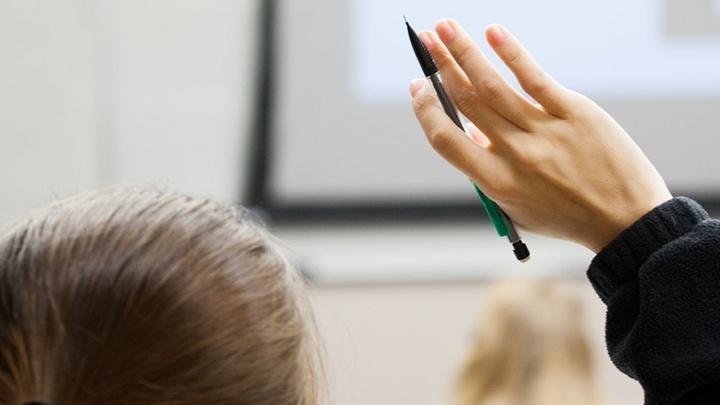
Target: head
column 530, row 348
column 137, row 296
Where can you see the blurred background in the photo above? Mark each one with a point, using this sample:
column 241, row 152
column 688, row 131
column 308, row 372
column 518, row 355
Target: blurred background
column 299, row 109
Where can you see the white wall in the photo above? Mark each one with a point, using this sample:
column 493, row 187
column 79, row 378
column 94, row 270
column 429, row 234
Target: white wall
column 96, row 92
column 49, row 142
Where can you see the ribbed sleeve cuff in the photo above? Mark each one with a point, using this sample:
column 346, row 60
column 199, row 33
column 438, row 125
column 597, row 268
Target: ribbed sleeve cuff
column 619, row 261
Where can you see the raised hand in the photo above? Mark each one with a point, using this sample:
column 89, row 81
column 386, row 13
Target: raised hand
column 557, row 163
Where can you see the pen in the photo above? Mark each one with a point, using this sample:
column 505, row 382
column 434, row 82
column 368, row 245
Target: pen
column 500, row 220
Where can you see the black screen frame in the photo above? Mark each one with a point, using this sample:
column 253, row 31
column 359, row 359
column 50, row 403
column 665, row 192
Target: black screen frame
column 258, row 195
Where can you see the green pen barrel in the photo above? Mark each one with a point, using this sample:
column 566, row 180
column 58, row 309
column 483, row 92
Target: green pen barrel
column 492, row 211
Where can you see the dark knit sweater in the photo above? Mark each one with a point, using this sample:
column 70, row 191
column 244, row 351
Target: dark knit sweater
column 660, row 280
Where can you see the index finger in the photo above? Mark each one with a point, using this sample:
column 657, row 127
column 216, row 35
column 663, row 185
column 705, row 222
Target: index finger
column 446, row 138
column 458, row 50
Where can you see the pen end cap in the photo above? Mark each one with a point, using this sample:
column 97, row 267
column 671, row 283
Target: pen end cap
column 522, row 253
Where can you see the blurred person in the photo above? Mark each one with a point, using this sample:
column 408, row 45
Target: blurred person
column 530, row 348
column 561, row 166
column 138, row 296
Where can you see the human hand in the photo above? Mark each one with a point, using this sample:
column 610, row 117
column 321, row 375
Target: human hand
column 559, row 166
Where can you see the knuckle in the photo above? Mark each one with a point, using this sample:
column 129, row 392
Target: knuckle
column 530, row 158
column 463, row 52
column 536, row 87
column 443, row 60
column 465, row 98
column 492, row 89
column 501, row 190
column 584, row 109
column 493, row 180
column 512, row 57
column 440, row 140
column 580, row 99
column 581, row 107
column 537, row 83
column 420, row 103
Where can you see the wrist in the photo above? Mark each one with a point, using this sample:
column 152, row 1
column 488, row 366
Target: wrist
column 619, row 261
column 616, row 220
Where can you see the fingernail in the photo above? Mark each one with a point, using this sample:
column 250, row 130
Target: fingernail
column 427, row 40
column 496, row 35
column 446, row 31
column 416, row 86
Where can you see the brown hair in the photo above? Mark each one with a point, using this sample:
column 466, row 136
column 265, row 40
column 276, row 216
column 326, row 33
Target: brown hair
column 530, row 348
column 137, row 296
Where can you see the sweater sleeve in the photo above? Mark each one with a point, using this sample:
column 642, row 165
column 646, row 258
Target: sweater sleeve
column 660, row 280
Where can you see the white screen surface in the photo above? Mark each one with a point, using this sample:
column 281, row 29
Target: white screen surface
column 343, row 127
column 610, row 49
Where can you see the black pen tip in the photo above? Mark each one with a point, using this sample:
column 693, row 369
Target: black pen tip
column 405, row 19
column 422, row 54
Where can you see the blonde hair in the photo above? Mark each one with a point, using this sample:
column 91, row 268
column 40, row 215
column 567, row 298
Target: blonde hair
column 530, row 348
column 138, row 296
